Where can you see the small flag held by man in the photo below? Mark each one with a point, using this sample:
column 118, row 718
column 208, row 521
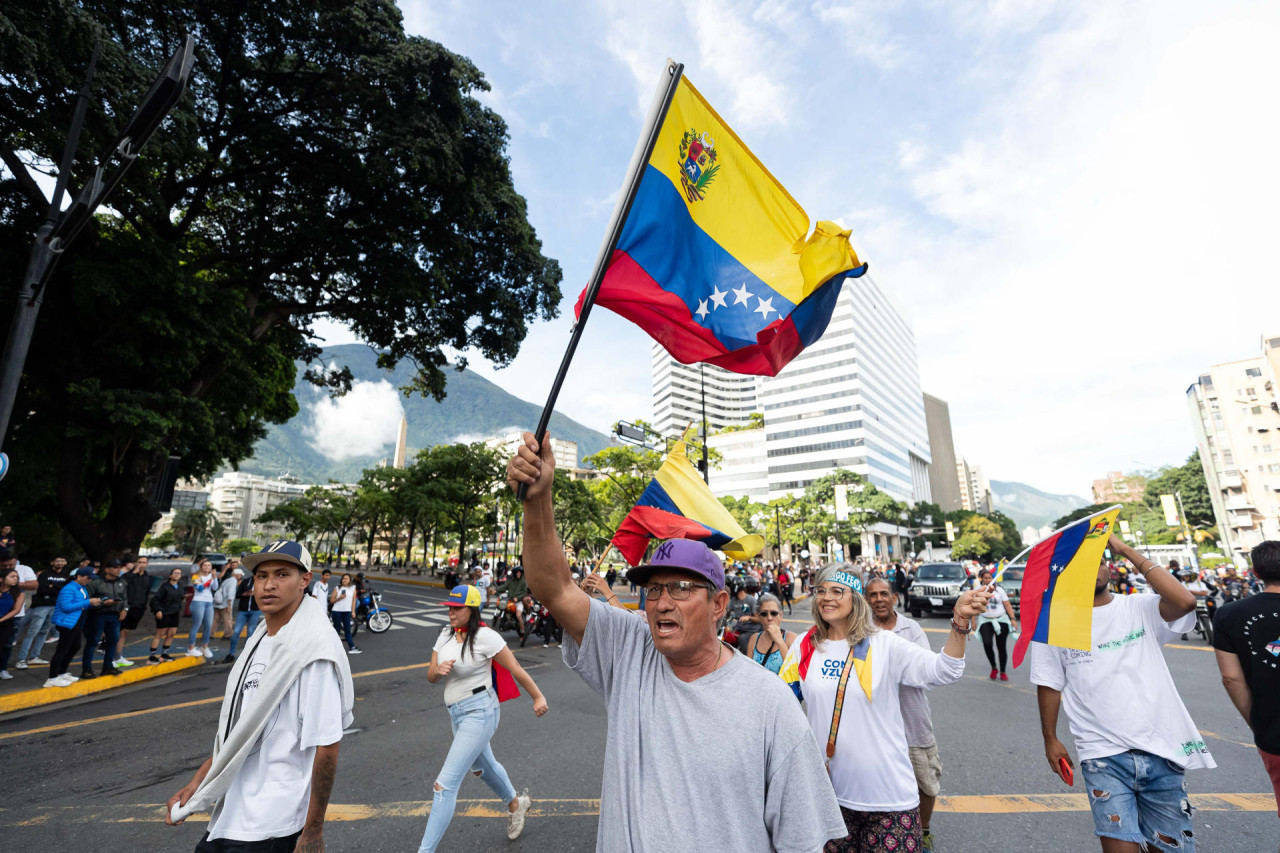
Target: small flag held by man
column 678, row 505
column 1058, row 584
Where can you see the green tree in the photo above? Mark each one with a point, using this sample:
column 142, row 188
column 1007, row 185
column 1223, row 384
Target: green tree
column 1188, row 481
column 625, row 473
column 161, row 541
column 579, row 516
column 197, row 530
column 467, row 475
column 979, row 538
column 244, row 545
column 751, row 516
column 319, row 156
column 867, row 505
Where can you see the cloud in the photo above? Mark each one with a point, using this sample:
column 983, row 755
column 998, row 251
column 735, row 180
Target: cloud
column 362, row 422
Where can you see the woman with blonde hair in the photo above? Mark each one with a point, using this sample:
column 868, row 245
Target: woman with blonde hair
column 848, row 672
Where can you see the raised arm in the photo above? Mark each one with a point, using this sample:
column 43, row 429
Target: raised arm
column 546, row 569
column 1176, row 600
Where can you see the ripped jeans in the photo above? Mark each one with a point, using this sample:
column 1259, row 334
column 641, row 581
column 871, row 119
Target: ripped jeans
column 474, row 721
column 1139, row 797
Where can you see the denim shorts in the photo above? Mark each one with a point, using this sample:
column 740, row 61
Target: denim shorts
column 1139, row 797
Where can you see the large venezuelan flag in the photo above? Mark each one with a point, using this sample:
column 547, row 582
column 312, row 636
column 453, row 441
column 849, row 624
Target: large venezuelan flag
column 678, row 505
column 1058, row 585
column 713, row 260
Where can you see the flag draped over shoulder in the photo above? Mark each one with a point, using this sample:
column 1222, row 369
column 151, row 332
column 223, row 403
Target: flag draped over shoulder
column 713, row 260
column 678, row 505
column 1058, row 585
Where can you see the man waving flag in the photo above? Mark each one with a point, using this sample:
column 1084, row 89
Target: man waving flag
column 715, row 259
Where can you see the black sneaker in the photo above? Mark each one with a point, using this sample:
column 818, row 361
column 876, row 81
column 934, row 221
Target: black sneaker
column 88, row 673
column 153, row 659
column 166, row 658
column 110, row 670
column 229, row 659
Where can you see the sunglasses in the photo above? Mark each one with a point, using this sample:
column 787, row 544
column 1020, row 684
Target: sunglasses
column 770, row 612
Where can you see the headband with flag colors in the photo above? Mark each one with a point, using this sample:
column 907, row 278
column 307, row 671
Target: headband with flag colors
column 1058, row 584
column 715, row 260
column 678, row 505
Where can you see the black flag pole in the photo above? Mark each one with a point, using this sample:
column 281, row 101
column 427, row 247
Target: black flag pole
column 644, row 150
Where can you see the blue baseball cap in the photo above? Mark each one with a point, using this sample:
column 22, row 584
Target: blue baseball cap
column 84, row 572
column 687, row 555
column 281, row 549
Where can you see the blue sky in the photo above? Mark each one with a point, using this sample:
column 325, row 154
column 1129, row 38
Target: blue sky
column 1072, row 201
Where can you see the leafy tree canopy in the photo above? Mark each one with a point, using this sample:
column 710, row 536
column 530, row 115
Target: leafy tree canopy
column 321, row 164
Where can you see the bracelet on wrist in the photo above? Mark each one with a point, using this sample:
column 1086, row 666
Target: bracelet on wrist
column 960, row 629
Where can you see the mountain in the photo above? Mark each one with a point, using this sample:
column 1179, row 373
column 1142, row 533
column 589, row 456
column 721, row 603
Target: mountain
column 1030, row 506
column 472, row 410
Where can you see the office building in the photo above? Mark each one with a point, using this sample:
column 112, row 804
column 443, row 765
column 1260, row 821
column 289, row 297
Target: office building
column 975, row 489
column 731, row 398
column 238, row 498
column 743, row 469
column 1235, row 416
column 943, row 483
column 565, row 452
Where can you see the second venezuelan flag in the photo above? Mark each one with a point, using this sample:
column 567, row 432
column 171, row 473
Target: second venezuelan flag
column 713, row 260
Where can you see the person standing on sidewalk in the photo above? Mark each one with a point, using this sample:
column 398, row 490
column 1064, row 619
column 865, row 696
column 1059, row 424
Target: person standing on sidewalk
column 204, row 584
column 167, row 605
column 224, row 598
column 27, row 584
column 1134, row 737
column 40, row 615
column 138, row 583
column 288, row 701
column 917, row 718
column 69, row 613
column 104, row 620
column 1246, row 640
column 11, row 604
column 463, row 656
column 247, row 616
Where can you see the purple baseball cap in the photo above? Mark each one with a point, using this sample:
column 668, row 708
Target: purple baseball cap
column 688, row 555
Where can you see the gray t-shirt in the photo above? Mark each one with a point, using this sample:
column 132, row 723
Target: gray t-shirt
column 916, row 717
column 726, row 762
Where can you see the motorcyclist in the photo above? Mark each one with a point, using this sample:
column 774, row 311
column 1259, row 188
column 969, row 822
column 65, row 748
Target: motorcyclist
column 517, row 590
column 1232, row 586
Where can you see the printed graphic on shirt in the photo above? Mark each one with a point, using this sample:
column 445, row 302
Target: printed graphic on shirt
column 252, row 680
column 1272, row 647
column 1127, row 639
column 1193, row 746
column 832, row 668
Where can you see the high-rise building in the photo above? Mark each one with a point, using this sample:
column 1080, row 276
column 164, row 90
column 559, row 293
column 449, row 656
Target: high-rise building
column 743, row 470
column 975, row 489
column 851, row 400
column 678, row 391
column 239, row 498
column 943, row 483
column 402, row 440
column 565, row 452
column 1235, row 415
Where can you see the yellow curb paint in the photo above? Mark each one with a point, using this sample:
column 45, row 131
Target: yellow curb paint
column 48, row 695
column 112, row 717
column 988, row 804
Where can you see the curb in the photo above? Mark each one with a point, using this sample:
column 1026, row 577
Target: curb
column 49, row 695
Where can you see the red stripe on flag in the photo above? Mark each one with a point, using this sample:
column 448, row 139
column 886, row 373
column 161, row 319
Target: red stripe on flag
column 1035, row 580
column 647, row 522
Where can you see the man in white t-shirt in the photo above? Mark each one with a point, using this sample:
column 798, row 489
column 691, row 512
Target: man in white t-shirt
column 1134, row 736
column 288, row 700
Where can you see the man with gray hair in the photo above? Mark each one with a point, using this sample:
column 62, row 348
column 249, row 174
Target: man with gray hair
column 661, row 685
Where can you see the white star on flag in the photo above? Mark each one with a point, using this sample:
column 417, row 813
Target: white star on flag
column 742, row 295
column 717, row 297
column 702, row 308
column 765, row 306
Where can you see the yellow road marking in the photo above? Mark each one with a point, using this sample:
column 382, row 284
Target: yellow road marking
column 1226, row 739
column 128, row 714
column 1188, row 648
column 586, row 807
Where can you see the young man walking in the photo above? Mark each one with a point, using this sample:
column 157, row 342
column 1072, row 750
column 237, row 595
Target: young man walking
column 1134, row 736
column 287, row 702
column 1246, row 639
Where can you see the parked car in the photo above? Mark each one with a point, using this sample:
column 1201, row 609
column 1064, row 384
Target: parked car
column 936, row 588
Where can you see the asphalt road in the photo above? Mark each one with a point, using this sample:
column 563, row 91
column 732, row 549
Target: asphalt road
column 93, row 775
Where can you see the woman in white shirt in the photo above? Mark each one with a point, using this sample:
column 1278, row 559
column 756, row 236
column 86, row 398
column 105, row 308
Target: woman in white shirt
column 870, row 765
column 994, row 624
column 463, row 656
column 341, row 600
column 204, row 583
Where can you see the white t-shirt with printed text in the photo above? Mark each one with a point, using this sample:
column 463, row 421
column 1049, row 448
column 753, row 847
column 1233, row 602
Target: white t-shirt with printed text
column 25, row 574
column 470, row 670
column 1119, row 695
column 271, row 793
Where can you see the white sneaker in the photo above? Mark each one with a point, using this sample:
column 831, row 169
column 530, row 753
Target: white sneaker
column 69, row 678
column 515, row 819
column 354, row 652
column 194, row 653
column 56, row 682
column 37, row 660
column 208, row 653
column 121, row 663
column 4, row 675
column 20, row 665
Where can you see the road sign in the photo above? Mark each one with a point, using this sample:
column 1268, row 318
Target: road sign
column 951, row 532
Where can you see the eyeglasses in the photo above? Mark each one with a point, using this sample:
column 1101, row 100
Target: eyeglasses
column 833, row 592
column 678, row 590
column 770, row 613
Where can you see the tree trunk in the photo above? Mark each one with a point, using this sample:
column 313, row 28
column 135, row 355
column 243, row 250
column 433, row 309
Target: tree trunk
column 408, row 548
column 129, row 514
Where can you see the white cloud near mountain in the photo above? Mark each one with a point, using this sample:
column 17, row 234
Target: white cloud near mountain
column 362, row 422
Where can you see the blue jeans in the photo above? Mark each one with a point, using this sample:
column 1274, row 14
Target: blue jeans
column 97, row 625
column 244, row 618
column 39, row 620
column 342, row 624
column 202, row 620
column 474, row 721
column 1139, row 797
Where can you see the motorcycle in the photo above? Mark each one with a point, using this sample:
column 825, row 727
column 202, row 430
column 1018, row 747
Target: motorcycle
column 535, row 617
column 371, row 611
column 1205, row 608
column 508, row 615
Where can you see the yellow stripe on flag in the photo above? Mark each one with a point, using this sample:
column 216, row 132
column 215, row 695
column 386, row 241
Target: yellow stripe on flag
column 1071, row 623
column 684, row 485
